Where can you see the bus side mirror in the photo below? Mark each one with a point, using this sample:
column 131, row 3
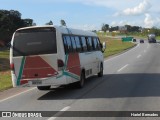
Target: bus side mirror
column 103, row 46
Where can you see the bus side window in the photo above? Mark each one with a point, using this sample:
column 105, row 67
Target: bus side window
column 78, row 44
column 99, row 46
column 73, row 44
column 84, row 44
column 65, row 44
column 95, row 44
column 89, row 43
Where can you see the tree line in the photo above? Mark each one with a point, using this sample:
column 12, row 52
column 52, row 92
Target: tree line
column 154, row 30
column 127, row 28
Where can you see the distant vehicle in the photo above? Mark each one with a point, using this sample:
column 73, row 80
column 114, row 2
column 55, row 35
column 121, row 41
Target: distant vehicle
column 141, row 41
column 134, row 40
column 151, row 38
column 52, row 56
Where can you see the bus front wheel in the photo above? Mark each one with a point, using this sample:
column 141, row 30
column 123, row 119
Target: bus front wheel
column 100, row 74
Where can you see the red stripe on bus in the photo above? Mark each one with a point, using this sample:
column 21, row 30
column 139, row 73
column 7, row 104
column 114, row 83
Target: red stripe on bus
column 38, row 73
column 73, row 64
column 35, row 62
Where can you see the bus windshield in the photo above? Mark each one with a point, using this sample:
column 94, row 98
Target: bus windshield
column 34, row 41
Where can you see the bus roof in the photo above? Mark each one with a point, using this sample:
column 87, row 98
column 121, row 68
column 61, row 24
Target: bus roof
column 64, row 30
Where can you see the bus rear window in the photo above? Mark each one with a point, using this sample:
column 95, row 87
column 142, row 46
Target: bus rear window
column 35, row 41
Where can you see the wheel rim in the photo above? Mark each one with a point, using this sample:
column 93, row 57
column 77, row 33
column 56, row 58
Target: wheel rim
column 101, row 69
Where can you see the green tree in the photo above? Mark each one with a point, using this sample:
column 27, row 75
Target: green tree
column 105, row 27
column 128, row 28
column 155, row 31
column 28, row 22
column 10, row 20
column 114, row 28
column 135, row 29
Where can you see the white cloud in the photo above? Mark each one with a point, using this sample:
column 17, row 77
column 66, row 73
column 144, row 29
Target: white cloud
column 151, row 21
column 148, row 21
column 142, row 8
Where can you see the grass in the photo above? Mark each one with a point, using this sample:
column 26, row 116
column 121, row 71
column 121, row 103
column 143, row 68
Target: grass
column 4, row 60
column 113, row 47
column 158, row 38
column 5, row 75
column 5, row 80
column 4, row 54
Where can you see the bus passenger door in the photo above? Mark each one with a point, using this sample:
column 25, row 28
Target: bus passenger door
column 97, row 55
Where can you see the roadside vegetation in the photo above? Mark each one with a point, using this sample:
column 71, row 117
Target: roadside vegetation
column 5, row 80
column 5, row 75
column 114, row 46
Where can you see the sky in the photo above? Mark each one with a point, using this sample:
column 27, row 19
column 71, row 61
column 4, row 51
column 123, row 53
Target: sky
column 88, row 14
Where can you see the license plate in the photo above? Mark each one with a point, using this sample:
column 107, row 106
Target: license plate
column 36, row 82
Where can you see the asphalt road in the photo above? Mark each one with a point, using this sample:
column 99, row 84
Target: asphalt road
column 131, row 82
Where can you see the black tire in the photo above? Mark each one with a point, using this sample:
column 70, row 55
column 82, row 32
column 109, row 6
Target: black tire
column 80, row 84
column 43, row 87
column 100, row 74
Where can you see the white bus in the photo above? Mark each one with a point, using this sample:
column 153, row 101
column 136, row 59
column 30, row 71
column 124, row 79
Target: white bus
column 52, row 56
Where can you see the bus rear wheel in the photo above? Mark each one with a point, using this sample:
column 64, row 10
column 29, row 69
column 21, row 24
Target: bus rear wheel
column 43, row 87
column 80, row 84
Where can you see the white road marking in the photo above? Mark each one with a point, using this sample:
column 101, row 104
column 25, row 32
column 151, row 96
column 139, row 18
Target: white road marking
column 122, row 68
column 122, row 54
column 17, row 94
column 139, row 56
column 59, row 113
column 65, row 108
